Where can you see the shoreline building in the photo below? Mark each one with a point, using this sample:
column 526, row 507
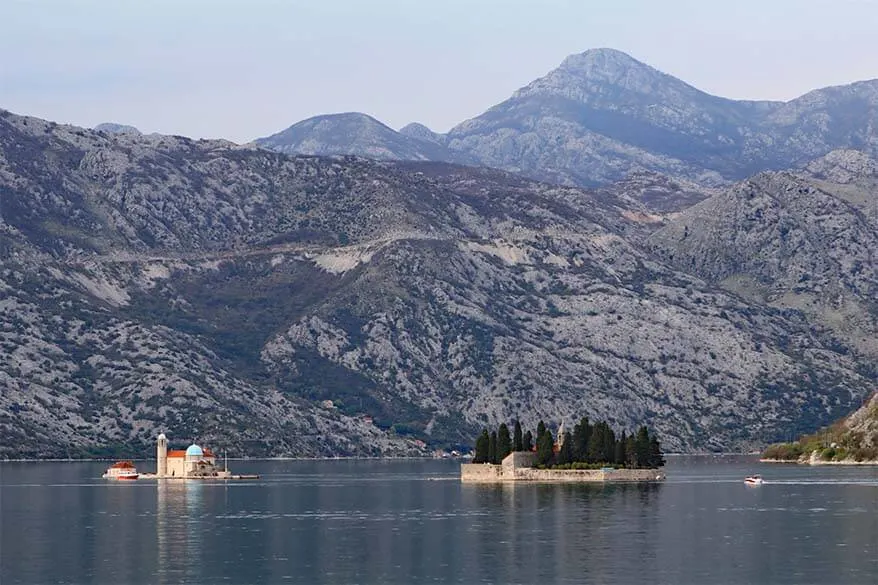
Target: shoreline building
column 194, row 461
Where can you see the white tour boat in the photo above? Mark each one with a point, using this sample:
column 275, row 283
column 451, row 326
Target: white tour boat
column 121, row 470
column 753, row 480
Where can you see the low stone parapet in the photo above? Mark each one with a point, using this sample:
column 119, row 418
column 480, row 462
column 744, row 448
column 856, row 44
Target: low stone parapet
column 489, row 473
column 481, row 473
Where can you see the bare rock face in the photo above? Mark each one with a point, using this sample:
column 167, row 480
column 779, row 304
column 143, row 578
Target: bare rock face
column 861, row 427
column 805, row 241
column 272, row 304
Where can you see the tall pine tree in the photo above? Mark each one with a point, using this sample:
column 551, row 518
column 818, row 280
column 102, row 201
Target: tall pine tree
column 580, row 440
column 482, row 448
column 631, row 452
column 528, row 442
column 517, row 438
column 620, row 458
column 545, row 445
column 597, row 447
column 656, row 458
column 504, row 442
column 565, row 453
column 641, row 448
column 492, row 447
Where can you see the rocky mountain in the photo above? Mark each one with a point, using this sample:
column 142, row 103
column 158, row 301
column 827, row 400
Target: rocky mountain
column 271, row 304
column 602, row 115
column 851, row 440
column 860, row 429
column 357, row 134
column 803, row 240
column 421, row 132
column 113, row 128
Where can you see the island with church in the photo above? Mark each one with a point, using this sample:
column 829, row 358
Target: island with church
column 591, row 453
column 194, row 462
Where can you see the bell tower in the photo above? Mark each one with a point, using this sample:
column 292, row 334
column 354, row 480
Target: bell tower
column 162, row 456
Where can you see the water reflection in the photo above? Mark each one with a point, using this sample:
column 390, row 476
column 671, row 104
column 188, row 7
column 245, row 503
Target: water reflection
column 179, row 511
column 389, row 522
column 532, row 533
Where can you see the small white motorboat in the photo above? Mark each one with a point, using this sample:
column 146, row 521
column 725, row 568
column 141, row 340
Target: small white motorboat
column 753, row 480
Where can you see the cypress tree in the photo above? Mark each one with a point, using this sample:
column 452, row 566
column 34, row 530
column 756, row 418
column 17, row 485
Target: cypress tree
column 517, row 438
column 609, row 445
column 482, row 441
column 656, row 459
column 565, row 453
column 545, row 443
column 631, row 452
column 596, row 443
column 492, row 447
column 580, row 440
column 620, row 449
column 528, row 442
column 641, row 447
column 586, row 431
column 504, row 442
column 541, row 428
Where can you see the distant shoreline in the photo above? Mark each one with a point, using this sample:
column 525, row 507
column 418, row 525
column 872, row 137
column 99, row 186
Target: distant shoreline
column 818, row 462
column 338, row 458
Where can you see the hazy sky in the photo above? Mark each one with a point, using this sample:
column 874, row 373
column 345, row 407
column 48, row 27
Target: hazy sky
column 250, row 68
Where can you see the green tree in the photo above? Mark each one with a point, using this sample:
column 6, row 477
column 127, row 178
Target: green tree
column 545, row 444
column 656, row 458
column 541, row 428
column 620, row 458
column 517, row 438
column 581, row 433
column 504, row 442
column 630, row 452
column 597, row 443
column 641, row 448
column 609, row 444
column 482, row 446
column 528, row 442
column 565, row 453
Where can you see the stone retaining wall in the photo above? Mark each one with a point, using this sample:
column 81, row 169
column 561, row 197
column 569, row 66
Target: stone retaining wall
column 489, row 473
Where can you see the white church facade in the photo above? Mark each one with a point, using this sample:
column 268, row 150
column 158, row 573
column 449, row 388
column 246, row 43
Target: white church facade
column 194, row 462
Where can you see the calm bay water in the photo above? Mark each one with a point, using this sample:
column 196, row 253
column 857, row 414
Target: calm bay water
column 413, row 522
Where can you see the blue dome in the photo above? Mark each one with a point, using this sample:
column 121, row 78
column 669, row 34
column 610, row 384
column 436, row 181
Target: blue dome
column 194, row 451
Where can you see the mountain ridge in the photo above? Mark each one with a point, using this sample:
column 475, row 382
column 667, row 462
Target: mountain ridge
column 602, row 114
column 324, row 306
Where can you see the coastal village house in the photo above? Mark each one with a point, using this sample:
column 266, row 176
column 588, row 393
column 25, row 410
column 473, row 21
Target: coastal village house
column 193, row 462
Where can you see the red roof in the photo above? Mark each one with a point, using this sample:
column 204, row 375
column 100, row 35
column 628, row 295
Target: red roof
column 122, row 465
column 182, row 453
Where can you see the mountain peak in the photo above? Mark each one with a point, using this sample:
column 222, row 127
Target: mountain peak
column 113, row 128
column 603, row 60
column 421, row 132
column 353, row 118
column 359, row 134
column 584, row 76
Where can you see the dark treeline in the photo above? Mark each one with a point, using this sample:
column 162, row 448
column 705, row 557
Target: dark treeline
column 587, row 446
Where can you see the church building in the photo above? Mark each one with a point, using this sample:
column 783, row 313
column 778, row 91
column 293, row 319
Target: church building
column 194, row 462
